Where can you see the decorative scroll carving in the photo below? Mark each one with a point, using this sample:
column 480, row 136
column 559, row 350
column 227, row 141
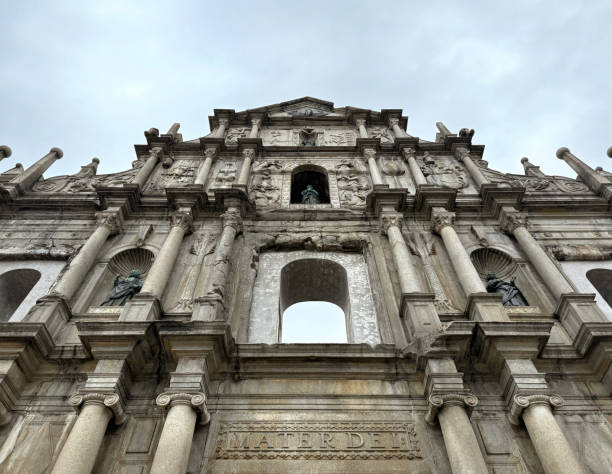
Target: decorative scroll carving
column 437, row 401
column 537, row 184
column 233, row 134
column 197, row 401
column 118, row 179
column 318, row 440
column 442, row 171
column 109, row 400
column 79, row 182
column 521, row 402
column 441, row 218
column 422, row 245
column 353, row 190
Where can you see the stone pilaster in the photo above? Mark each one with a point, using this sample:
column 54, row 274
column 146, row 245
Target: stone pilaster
column 409, row 155
column 210, row 154
column 369, row 155
column 248, row 155
column 463, row 155
column 155, row 155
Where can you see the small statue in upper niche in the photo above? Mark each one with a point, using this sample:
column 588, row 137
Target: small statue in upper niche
column 511, row 295
column 310, row 195
column 124, row 290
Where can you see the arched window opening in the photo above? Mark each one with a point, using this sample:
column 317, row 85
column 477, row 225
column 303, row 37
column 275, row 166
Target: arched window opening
column 601, row 279
column 14, row 287
column 314, row 301
column 304, row 177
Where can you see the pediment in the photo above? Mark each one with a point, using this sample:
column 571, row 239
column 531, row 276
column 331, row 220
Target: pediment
column 304, row 107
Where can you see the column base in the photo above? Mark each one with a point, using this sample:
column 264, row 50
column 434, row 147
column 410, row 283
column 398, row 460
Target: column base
column 207, row 308
column 143, row 307
column 574, row 309
column 51, row 310
column 420, row 314
column 485, row 307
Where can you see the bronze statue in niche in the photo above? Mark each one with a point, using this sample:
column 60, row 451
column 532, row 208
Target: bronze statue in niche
column 124, row 290
column 511, row 295
column 310, row 195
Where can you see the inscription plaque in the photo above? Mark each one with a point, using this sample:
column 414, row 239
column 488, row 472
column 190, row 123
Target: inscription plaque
column 318, row 440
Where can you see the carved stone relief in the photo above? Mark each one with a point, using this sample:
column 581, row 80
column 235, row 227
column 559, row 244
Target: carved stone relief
column 233, row 134
column 353, row 190
column 179, row 172
column 394, row 171
column 226, row 174
column 309, row 136
column 538, row 184
column 382, row 133
column 444, row 171
column 266, row 184
column 79, row 182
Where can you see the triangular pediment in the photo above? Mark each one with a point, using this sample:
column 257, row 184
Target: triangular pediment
column 302, row 107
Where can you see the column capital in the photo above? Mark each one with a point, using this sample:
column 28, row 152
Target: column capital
column 256, row 122
column 441, row 218
column 232, row 218
column 360, row 122
column 197, row 401
column 112, row 401
column 389, row 220
column 248, row 153
column 408, row 152
column 110, row 219
column 182, row 219
column 369, row 153
column 210, row 152
column 461, row 152
column 223, row 122
column 521, row 402
column 512, row 220
column 393, row 121
column 437, row 401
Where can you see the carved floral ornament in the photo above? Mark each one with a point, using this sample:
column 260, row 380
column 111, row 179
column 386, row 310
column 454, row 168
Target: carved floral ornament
column 111, row 401
column 521, row 402
column 437, row 401
column 440, row 219
column 196, row 400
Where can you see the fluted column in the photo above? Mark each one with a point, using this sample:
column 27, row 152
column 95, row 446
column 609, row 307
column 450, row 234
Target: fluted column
column 370, row 156
column 555, row 453
column 515, row 223
column 80, row 450
column 255, row 124
column 442, row 223
column 245, row 171
column 415, row 170
column 461, row 444
column 210, row 154
column 33, row 173
column 596, row 182
column 363, row 133
column 220, row 130
column 5, row 152
column 161, row 269
column 172, row 453
column 391, row 225
column 462, row 154
column 397, row 131
column 108, row 223
column 145, row 171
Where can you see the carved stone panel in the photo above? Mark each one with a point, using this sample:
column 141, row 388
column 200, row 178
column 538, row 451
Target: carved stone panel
column 180, row 172
column 444, row 171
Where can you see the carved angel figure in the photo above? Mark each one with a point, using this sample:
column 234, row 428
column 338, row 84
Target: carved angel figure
column 124, row 290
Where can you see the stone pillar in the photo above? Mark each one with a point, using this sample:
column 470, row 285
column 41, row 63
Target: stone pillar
column 415, row 170
column 245, row 170
column 220, row 130
column 210, row 153
column 32, row 174
column 462, row 154
column 363, row 133
column 173, row 130
column 370, row 156
column 145, row 171
column 397, row 131
column 80, row 450
column 597, row 183
column 172, row 453
column 255, row 124
column 391, row 225
column 515, row 223
column 161, row 269
column 108, row 223
column 5, row 152
column 555, row 453
column 442, row 223
column 452, row 411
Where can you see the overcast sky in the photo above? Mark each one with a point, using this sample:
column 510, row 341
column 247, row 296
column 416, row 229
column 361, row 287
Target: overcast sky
column 90, row 77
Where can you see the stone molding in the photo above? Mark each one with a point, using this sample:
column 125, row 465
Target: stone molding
column 182, row 219
column 437, row 401
column 510, row 221
column 521, row 402
column 112, row 401
column 441, row 218
column 110, row 219
column 390, row 220
column 196, row 400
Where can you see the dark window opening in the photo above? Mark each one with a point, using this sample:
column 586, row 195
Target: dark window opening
column 316, row 179
column 601, row 279
column 14, row 287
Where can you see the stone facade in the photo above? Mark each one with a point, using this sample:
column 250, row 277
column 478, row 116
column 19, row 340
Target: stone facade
column 191, row 374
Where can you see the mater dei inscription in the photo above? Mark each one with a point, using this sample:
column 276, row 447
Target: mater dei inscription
column 318, row 440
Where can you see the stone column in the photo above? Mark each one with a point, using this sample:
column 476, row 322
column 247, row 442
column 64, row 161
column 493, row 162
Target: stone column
column 245, row 170
column 515, row 223
column 144, row 172
column 397, row 131
column 210, row 153
column 80, row 450
column 108, row 223
column 220, row 130
column 370, row 156
column 462, row 154
column 161, row 269
column 555, row 453
column 33, row 173
column 172, row 453
column 442, row 223
column 173, row 130
column 461, row 444
column 415, row 170
column 597, row 183
column 391, row 225
column 255, row 124
column 363, row 133
column 5, row 152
